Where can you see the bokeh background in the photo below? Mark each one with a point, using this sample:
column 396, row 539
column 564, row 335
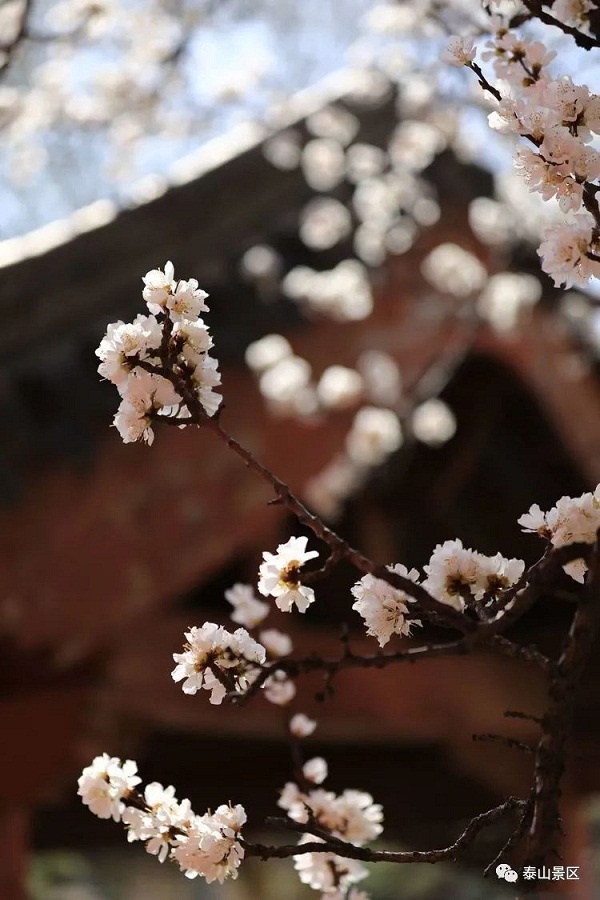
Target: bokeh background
column 389, row 346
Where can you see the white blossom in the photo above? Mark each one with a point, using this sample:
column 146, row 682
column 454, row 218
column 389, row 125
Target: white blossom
column 211, row 846
column 506, row 296
column 572, row 12
column 133, row 356
column 460, row 51
column 158, row 287
column 143, row 396
column 302, row 726
column 375, row 434
column 454, row 574
column 572, row 520
column 205, row 377
column 534, row 521
column 276, row 643
column 433, row 422
column 325, row 871
column 453, row 270
column 383, row 607
column 279, row 575
column 324, row 222
column 279, row 689
column 335, row 123
column 498, row 573
column 186, row 301
column 180, row 299
column 248, row 610
column 351, row 816
column 323, row 163
column 315, row 770
column 105, row 783
column 361, row 817
column 195, row 336
column 217, row 660
column 343, row 293
column 163, row 816
column 564, row 251
column 123, row 343
column 339, row 387
column 286, row 386
column 267, row 352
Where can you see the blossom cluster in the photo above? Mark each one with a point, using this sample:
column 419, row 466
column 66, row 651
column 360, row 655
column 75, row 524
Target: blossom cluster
column 218, row 661
column 351, row 816
column 455, row 576
column 138, row 357
column 573, row 520
column 560, row 119
column 206, row 845
column 383, row 607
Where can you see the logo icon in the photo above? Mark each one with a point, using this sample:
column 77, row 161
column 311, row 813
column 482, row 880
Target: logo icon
column 504, row 871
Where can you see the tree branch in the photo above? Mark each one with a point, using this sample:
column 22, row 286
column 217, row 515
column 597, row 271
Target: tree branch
column 364, row 854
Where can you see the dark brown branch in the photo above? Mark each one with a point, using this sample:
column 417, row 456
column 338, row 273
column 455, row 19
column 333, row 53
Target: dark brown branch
column 514, row 839
column 517, row 714
column 585, row 41
column 557, row 721
column 350, row 851
column 296, row 667
column 512, row 743
column 485, row 84
column 438, row 612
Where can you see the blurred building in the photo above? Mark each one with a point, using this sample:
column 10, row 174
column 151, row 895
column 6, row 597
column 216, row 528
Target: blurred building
column 109, row 551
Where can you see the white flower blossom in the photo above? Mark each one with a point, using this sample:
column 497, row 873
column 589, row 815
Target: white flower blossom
column 158, row 287
column 205, row 845
column 361, row 817
column 460, row 51
column 535, row 521
column 325, row 871
column 155, row 825
column 218, row 661
column 186, row 301
column 279, row 689
column 143, row 395
column 498, row 573
column 105, row 783
column 451, row 269
column 211, row 846
column 302, row 726
column 339, row 387
column 454, row 574
column 351, row 816
column 564, row 251
column 128, row 350
column 182, row 300
column 279, row 575
column 124, row 342
column 383, row 607
column 205, row 377
column 375, row 434
column 275, row 642
column 315, row 770
column 573, row 12
column 573, row 520
column 248, row 610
